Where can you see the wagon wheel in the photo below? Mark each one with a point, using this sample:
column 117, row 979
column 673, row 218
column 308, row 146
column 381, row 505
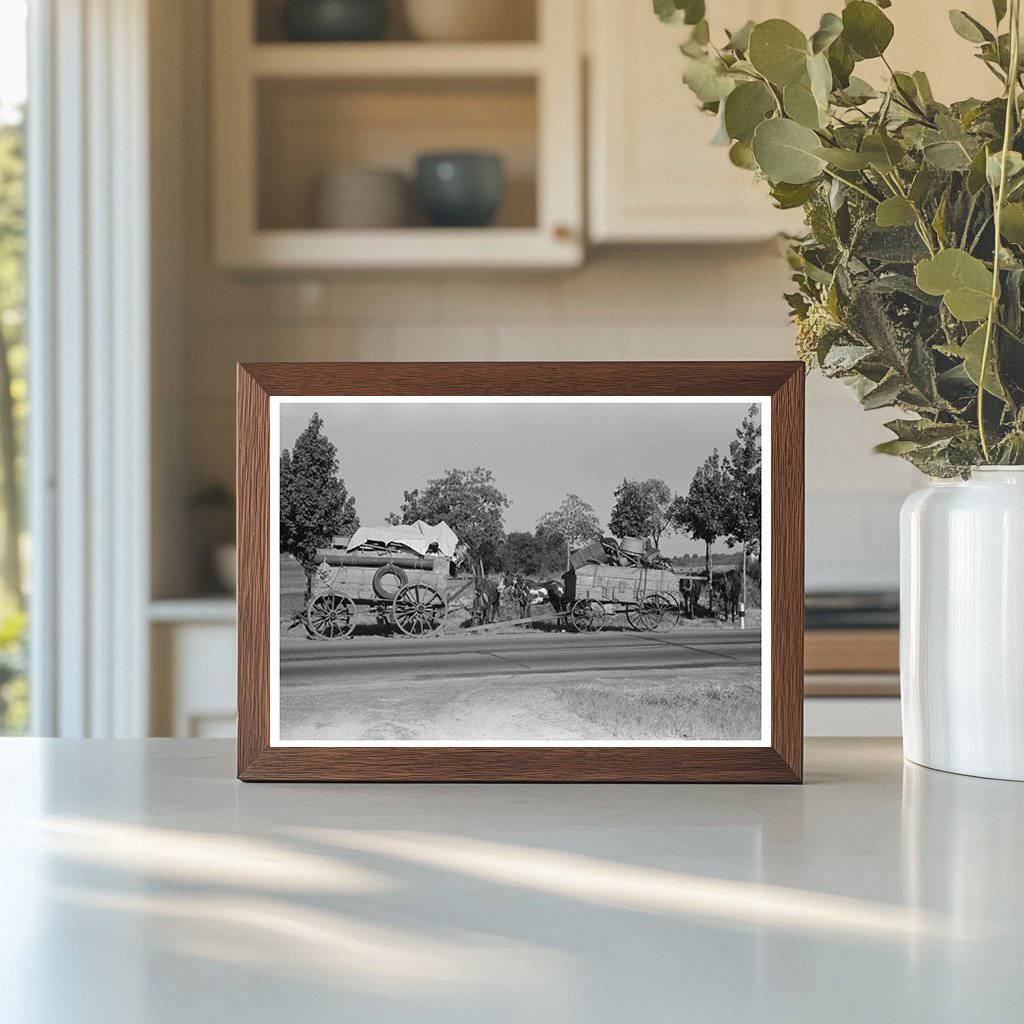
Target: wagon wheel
column 648, row 614
column 331, row 616
column 588, row 616
column 419, row 609
column 670, row 609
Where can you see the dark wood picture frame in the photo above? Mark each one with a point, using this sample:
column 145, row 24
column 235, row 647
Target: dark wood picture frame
column 781, row 761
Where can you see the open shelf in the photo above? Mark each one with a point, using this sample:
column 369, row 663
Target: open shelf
column 520, row 23
column 309, row 127
column 286, row 114
column 392, row 60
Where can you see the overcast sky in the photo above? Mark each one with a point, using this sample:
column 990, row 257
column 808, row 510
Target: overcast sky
column 538, row 452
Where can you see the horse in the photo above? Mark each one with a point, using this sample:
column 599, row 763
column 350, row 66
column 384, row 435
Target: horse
column 727, row 588
column 486, row 601
column 689, row 592
column 529, row 594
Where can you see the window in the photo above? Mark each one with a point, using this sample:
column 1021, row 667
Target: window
column 14, row 691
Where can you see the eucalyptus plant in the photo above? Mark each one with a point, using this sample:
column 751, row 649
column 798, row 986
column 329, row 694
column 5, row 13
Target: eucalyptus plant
column 910, row 277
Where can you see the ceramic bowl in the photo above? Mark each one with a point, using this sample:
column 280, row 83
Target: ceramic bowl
column 332, row 21
column 460, row 189
column 470, row 20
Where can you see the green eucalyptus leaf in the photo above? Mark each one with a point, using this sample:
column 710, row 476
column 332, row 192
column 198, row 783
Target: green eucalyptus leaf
column 963, row 281
column 971, row 351
column 999, row 9
column 857, row 91
column 883, row 395
column 924, row 87
column 844, row 159
column 707, row 78
column 819, row 75
column 701, row 34
column 866, row 29
column 922, row 431
column 969, row 28
column 689, row 12
column 829, row 30
column 976, row 174
column 801, row 106
column 895, row 447
column 787, row 152
column 993, row 167
column 745, row 108
column 779, row 51
column 841, row 63
column 741, row 155
column 739, row 41
column 883, row 152
column 788, row 196
column 895, row 212
column 922, row 185
column 947, row 156
column 1012, row 223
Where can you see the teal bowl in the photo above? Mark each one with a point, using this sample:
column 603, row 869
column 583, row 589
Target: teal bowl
column 460, row 190
column 334, row 21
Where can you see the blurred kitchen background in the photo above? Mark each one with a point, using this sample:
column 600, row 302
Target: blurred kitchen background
column 293, row 219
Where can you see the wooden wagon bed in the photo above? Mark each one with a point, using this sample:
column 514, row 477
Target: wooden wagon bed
column 649, row 597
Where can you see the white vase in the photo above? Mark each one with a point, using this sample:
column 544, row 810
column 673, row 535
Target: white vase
column 962, row 624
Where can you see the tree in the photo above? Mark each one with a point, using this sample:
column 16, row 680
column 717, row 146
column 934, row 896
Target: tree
column 315, row 504
column 533, row 554
column 469, row 501
column 12, row 351
column 574, row 521
column 641, row 509
column 700, row 513
column 742, row 517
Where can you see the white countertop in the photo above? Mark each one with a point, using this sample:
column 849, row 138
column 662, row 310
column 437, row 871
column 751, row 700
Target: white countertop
column 140, row 882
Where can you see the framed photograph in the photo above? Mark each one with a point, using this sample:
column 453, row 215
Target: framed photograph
column 520, row 571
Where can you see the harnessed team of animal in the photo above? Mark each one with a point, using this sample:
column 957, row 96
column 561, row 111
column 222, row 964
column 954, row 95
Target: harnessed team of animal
column 412, row 595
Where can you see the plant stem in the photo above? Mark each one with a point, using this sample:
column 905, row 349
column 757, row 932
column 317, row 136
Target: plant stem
column 1011, row 109
column 853, row 185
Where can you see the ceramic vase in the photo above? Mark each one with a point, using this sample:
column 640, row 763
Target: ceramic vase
column 962, row 624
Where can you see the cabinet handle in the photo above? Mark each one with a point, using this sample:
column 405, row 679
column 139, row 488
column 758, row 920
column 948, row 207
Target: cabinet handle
column 562, row 232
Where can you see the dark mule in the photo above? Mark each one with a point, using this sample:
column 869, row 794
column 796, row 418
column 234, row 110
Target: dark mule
column 727, row 590
column 486, row 601
column 689, row 592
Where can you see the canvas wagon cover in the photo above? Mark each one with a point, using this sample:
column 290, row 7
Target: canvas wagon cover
column 419, row 537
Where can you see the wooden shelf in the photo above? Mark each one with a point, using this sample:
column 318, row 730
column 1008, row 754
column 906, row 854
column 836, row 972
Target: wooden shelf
column 852, row 650
column 181, row 610
column 318, row 248
column 393, row 60
column 284, row 114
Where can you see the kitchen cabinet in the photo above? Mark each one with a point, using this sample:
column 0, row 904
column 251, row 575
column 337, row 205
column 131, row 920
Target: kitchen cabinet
column 654, row 177
column 286, row 114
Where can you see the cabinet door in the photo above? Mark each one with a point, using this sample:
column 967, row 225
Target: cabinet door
column 654, row 177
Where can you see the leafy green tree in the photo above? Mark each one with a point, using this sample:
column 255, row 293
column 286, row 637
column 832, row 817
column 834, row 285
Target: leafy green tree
column 641, row 509
column 533, row 554
column 315, row 505
column 742, row 514
column 701, row 511
column 574, row 519
column 12, row 351
column 469, row 501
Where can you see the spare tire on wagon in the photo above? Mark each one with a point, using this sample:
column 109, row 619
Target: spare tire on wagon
column 388, row 580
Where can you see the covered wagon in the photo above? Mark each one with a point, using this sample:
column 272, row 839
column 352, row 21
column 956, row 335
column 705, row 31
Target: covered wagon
column 393, row 575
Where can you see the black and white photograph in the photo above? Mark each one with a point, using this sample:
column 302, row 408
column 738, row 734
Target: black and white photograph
column 519, row 571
